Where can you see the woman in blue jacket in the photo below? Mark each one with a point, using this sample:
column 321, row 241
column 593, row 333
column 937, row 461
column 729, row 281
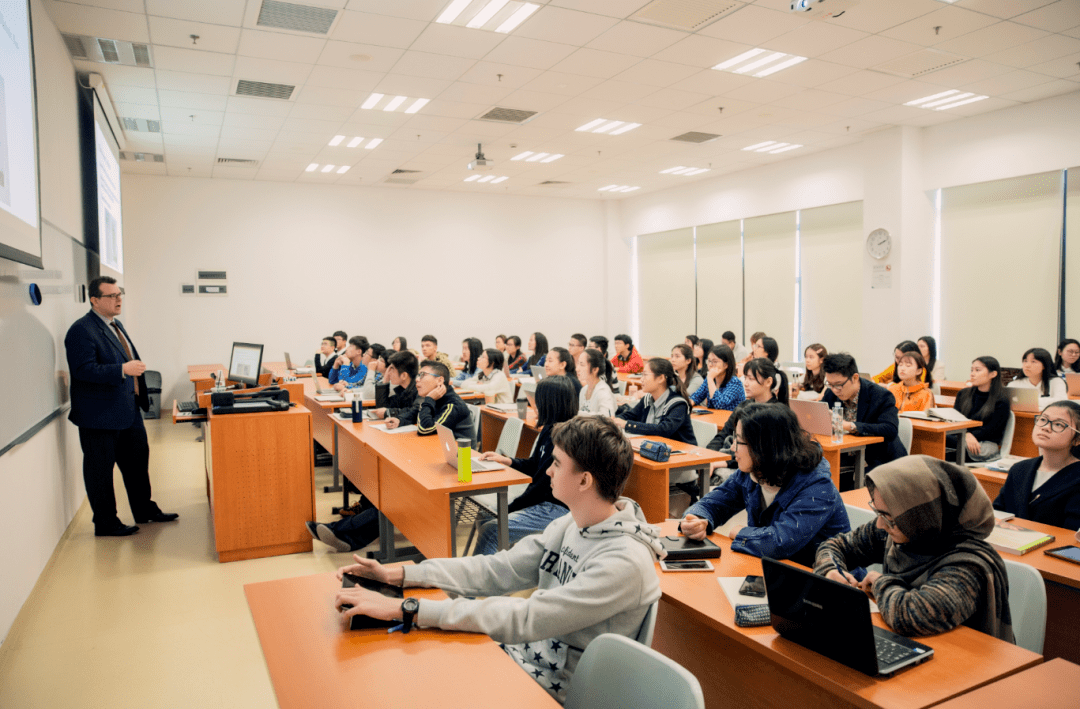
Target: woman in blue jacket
column 784, row 485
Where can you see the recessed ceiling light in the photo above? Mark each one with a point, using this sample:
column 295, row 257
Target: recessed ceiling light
column 591, row 124
column 372, row 143
column 519, row 16
column 417, row 105
column 452, row 11
column 312, row 167
column 522, row 156
column 671, row 170
column 771, row 147
column 618, row 188
column 497, row 15
column 481, row 18
column 608, row 126
column 630, row 189
column 784, row 149
column 343, row 169
column 486, row 178
column 537, row 156
column 973, row 99
column 489, row 179
column 603, row 125
column 605, row 189
column 394, row 103
column 945, row 100
column 372, row 100
column 755, row 146
column 553, row 158
column 355, row 141
column 681, row 170
column 336, row 140
column 698, row 171
column 625, row 129
column 497, row 180
column 327, row 168
column 471, row 178
column 753, row 63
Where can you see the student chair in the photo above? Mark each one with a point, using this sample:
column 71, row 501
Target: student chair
column 481, row 508
column 905, row 433
column 857, row 517
column 620, row 386
column 616, row 672
column 704, row 432
column 648, row 625
column 1006, row 442
column 475, row 412
column 1027, row 604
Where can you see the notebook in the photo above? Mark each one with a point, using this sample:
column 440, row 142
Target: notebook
column 1017, row 540
column 939, row 413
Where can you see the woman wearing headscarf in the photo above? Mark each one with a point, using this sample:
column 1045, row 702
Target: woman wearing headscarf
column 929, row 536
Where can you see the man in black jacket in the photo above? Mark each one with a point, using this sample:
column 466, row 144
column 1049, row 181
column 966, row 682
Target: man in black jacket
column 437, row 404
column 401, row 370
column 869, row 409
column 324, row 360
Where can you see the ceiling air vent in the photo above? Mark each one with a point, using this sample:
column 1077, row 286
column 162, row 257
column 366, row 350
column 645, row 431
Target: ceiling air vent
column 237, row 162
column 404, row 172
column 401, row 180
column 142, row 157
column 261, row 89
column 213, row 275
column 142, row 125
column 553, row 182
column 300, row 18
column 75, row 46
column 108, row 51
column 695, row 137
column 919, row 63
column 508, row 115
column 687, row 15
column 142, row 54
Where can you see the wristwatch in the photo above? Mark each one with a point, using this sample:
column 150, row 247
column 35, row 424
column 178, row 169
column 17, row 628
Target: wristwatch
column 409, row 608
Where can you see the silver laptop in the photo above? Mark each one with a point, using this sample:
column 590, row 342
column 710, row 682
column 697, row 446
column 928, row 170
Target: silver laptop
column 299, row 370
column 1072, row 383
column 538, row 372
column 449, row 446
column 1023, row 399
column 814, row 416
column 318, row 391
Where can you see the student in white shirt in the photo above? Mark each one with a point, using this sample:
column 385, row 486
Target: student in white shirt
column 490, row 380
column 560, row 363
column 595, row 397
column 1039, row 374
column 1067, row 360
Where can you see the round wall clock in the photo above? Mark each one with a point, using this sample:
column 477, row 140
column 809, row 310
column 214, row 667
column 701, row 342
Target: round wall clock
column 879, row 243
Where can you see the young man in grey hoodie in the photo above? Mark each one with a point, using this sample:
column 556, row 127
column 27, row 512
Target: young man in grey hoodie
column 593, row 568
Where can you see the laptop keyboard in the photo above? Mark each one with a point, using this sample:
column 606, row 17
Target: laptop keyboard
column 889, row 652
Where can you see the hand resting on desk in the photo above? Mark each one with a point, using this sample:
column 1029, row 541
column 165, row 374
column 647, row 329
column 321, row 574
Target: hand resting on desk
column 694, row 527
column 500, row 459
column 392, row 423
column 364, row 601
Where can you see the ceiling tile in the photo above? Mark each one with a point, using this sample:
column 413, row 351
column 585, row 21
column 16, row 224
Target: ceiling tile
column 521, row 51
column 278, row 45
column 810, row 99
column 245, row 121
column 611, row 8
column 322, row 112
column 814, row 39
column 990, row 39
column 411, row 86
column 504, row 75
column 754, row 25
column 259, row 106
column 763, row 91
column 194, row 62
column 220, row 12
column 959, row 75
column 432, row 66
column 620, row 91
column 272, row 71
column 381, row 30
column 533, row 100
column 871, row 51
column 589, row 106
column 133, row 94
column 556, row 24
column 1006, row 83
column 853, row 107
column 953, row 22
column 196, row 83
column 657, row 73
column 177, row 33
column 312, row 126
column 592, row 62
column 1055, row 87
column 1062, row 67
column 426, row 10
column 98, row 22
column 186, row 99
column 903, row 92
column 320, row 95
column 474, row 93
column 878, row 16
column 1004, row 8
column 454, row 109
column 702, row 52
column 457, row 41
column 1058, row 16
column 812, row 73
column 719, row 107
column 860, row 82
column 135, row 110
column 1043, row 50
column 192, row 117
column 712, row 82
column 420, row 122
column 554, row 82
column 371, row 58
column 636, row 39
column 672, row 99
column 332, row 77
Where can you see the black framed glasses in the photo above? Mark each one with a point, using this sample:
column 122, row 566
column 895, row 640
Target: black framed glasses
column 838, row 387
column 1057, row 426
column 112, row 295
column 884, row 518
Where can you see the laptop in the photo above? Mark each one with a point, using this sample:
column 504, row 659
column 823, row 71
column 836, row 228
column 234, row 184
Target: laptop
column 833, row 619
column 449, row 446
column 814, row 416
column 318, row 391
column 299, row 370
column 1023, row 399
column 538, row 373
column 1072, row 383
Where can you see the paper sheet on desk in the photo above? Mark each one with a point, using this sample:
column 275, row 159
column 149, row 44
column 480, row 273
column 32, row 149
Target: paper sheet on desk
column 730, row 586
column 400, row 429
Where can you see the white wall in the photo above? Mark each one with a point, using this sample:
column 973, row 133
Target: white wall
column 306, row 260
column 41, row 479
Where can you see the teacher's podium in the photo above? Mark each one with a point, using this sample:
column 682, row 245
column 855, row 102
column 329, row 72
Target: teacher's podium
column 260, row 480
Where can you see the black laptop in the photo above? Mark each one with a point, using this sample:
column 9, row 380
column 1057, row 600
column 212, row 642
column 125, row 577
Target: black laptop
column 834, row 619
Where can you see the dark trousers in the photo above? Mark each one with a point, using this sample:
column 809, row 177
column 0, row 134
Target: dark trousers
column 129, row 449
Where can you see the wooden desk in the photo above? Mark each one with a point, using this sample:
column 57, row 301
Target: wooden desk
column 928, row 437
column 851, row 444
column 991, row 480
column 1022, row 444
column 946, row 402
column 1051, row 685
column 649, row 482
column 1062, row 584
column 951, row 388
column 313, row 662
column 754, row 668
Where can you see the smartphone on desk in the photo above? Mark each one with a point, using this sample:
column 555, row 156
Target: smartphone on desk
column 753, row 586
column 687, row 565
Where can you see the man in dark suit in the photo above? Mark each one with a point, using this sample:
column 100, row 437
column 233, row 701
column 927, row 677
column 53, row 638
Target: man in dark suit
column 869, row 409
column 108, row 395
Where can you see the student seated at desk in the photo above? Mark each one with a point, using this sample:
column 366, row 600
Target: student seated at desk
column 429, row 347
column 690, row 341
column 912, row 393
column 400, row 344
column 593, row 568
column 349, row 371
column 596, row 397
column 702, row 348
column 765, row 384
column 782, row 482
column 1039, row 373
column 928, row 350
column 559, row 363
column 722, row 388
column 490, row 379
column 401, row 371
column 984, row 401
column 740, row 351
column 576, row 345
column 766, row 347
column 437, row 404
column 371, row 360
column 515, row 360
column 1046, row 489
column 812, row 386
column 664, row 410
column 754, row 339
column 1067, row 360
column 471, row 349
column 869, row 409
column 341, row 341
column 324, row 359
column 500, row 343
column 627, row 359
column 538, row 348
column 533, row 510
column 889, row 373
column 929, row 536
column 682, row 360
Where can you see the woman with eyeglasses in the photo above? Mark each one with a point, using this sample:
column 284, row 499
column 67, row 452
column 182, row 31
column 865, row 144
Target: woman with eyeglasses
column 722, row 388
column 938, row 571
column 765, row 384
column 784, row 485
column 1046, row 489
column 1067, row 360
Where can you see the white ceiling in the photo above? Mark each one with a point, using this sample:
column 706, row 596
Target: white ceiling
column 573, row 61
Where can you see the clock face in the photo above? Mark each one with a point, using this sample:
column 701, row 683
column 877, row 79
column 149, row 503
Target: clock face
column 879, row 243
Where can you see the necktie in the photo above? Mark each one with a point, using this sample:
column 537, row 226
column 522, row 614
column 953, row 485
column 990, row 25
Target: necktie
column 127, row 350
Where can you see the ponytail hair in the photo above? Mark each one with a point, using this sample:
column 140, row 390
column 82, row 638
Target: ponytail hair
column 761, row 369
column 660, row 367
column 595, row 359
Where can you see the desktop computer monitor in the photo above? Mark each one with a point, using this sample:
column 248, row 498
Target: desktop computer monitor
column 246, row 363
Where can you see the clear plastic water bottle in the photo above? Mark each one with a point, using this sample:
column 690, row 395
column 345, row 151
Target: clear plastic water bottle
column 838, row 423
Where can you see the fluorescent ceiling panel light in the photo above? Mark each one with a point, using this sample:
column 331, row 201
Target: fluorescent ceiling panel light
column 670, row 170
column 781, row 66
column 973, row 99
column 605, row 189
column 609, row 126
column 630, row 189
column 372, row 143
column 497, row 180
column 591, row 124
column 755, row 146
column 355, row 141
column 486, row 14
column 452, row 11
column 771, row 148
column 417, row 105
column 784, row 150
column 327, row 168
column 336, row 140
column 739, row 59
column 917, row 101
column 486, row 178
column 312, row 167
column 517, row 18
column 372, row 100
column 522, row 156
column 470, row 178
column 343, row 169
column 697, row 171
column 394, row 103
column 943, row 101
column 625, row 129
column 553, row 158
column 767, row 59
column 536, row 157
column 684, row 171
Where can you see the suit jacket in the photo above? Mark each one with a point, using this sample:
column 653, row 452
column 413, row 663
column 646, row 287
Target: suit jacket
column 1056, row 502
column 876, row 416
column 101, row 396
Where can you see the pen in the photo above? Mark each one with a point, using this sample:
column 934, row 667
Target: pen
column 837, row 565
column 395, row 628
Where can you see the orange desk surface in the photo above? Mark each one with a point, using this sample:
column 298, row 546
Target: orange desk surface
column 754, row 668
column 1051, row 685
column 313, row 662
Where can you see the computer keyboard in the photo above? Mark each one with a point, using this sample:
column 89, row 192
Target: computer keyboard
column 889, row 652
column 186, row 407
column 753, row 616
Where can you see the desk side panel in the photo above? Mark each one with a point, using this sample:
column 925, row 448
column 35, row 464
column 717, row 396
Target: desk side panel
column 423, row 514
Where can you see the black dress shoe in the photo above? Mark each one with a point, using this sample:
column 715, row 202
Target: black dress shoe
column 120, row 530
column 159, row 516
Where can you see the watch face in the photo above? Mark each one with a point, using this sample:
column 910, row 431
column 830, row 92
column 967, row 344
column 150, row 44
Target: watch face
column 410, row 605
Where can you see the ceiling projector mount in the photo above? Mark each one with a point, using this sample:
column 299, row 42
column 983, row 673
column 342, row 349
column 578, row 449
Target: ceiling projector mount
column 481, row 163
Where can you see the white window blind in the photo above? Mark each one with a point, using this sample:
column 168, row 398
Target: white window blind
column 1000, row 266
column 665, row 289
column 719, row 278
column 1072, row 255
column 769, row 244
column 831, row 246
